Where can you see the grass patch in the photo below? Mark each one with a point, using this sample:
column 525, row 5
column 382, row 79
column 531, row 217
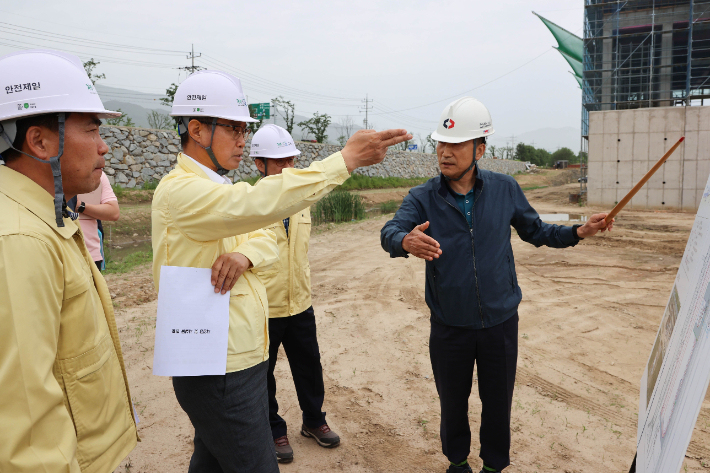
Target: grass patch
column 389, row 207
column 338, row 206
column 128, row 263
column 532, row 188
column 150, row 185
column 357, row 181
column 119, row 190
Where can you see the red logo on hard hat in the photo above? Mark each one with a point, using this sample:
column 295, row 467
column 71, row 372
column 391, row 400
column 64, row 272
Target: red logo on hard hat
column 449, row 123
column 486, row 131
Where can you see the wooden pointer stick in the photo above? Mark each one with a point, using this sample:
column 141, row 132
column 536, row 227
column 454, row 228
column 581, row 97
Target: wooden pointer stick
column 643, row 181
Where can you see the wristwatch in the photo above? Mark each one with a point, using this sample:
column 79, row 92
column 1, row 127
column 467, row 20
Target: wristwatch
column 80, row 209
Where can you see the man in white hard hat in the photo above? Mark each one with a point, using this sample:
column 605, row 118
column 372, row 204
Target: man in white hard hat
column 198, row 221
column 459, row 222
column 65, row 403
column 291, row 318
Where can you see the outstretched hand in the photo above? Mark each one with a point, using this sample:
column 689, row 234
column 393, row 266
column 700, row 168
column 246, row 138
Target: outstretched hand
column 594, row 224
column 420, row 244
column 368, row 147
column 227, row 269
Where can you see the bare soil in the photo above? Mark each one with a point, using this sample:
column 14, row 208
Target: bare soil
column 588, row 320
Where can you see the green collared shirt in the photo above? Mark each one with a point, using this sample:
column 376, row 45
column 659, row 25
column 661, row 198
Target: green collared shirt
column 465, row 203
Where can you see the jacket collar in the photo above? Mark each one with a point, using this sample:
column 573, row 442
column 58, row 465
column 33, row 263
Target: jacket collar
column 31, row 196
column 442, row 186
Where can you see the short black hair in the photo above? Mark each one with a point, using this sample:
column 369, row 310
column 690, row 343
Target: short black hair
column 48, row 120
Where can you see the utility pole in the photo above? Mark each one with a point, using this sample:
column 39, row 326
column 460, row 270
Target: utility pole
column 192, row 69
column 366, row 108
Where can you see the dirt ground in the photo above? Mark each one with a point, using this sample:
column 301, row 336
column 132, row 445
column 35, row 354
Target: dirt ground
column 588, row 320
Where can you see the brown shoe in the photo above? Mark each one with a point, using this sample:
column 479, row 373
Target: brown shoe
column 323, row 435
column 284, row 452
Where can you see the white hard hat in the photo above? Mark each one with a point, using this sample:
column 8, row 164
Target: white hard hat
column 462, row 120
column 37, row 82
column 272, row 141
column 212, row 94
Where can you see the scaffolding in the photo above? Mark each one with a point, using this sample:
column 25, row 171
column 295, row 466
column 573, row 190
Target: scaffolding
column 644, row 53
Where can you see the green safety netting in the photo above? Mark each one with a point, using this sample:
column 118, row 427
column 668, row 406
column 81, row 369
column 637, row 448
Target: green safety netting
column 570, row 46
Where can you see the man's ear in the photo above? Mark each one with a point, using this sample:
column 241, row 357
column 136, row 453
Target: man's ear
column 195, row 129
column 480, row 151
column 38, row 142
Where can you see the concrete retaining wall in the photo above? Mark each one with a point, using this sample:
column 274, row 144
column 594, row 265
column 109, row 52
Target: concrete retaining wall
column 138, row 155
column 625, row 144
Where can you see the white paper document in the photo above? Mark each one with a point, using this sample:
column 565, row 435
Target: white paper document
column 192, row 329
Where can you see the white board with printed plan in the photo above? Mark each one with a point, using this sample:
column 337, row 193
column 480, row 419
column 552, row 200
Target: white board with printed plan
column 676, row 378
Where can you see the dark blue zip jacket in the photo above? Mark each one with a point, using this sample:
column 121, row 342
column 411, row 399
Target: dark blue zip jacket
column 473, row 283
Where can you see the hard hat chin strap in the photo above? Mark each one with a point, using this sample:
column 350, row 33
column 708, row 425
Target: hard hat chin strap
column 266, row 169
column 474, row 164
column 220, row 170
column 60, row 205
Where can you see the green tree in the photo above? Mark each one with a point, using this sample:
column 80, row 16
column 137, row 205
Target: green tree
column 582, row 157
column 160, row 121
column 89, row 67
column 563, row 154
column 525, row 152
column 431, row 142
column 491, row 149
column 169, row 95
column 286, row 109
column 537, row 156
column 123, row 120
column 317, row 126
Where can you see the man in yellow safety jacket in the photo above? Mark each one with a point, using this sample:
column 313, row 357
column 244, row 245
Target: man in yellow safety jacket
column 291, row 318
column 64, row 398
column 198, row 221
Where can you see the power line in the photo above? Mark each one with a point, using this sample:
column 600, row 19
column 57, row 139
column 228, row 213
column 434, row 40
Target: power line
column 18, row 45
column 192, row 69
column 244, row 74
column 73, row 40
column 477, row 87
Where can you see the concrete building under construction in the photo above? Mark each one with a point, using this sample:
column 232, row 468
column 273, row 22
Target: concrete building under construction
column 646, row 76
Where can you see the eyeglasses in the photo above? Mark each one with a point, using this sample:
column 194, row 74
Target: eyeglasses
column 283, row 162
column 237, row 131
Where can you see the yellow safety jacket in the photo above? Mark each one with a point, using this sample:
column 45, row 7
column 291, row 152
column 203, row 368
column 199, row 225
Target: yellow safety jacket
column 288, row 283
column 64, row 398
column 196, row 220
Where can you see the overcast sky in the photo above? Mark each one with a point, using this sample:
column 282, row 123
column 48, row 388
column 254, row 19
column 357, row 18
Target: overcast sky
column 411, row 56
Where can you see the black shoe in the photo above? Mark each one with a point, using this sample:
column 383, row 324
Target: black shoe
column 460, row 469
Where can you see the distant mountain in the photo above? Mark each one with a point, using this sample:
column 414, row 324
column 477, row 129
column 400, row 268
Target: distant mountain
column 550, row 139
column 134, row 104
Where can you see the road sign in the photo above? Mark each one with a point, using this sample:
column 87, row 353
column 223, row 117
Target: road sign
column 412, row 147
column 260, row 110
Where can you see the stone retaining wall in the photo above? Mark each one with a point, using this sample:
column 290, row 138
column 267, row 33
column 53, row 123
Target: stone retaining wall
column 138, row 155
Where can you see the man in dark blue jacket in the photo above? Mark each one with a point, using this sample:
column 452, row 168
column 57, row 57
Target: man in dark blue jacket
column 459, row 222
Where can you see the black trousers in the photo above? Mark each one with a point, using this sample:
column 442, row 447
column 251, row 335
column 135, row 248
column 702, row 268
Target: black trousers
column 230, row 414
column 298, row 335
column 454, row 351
